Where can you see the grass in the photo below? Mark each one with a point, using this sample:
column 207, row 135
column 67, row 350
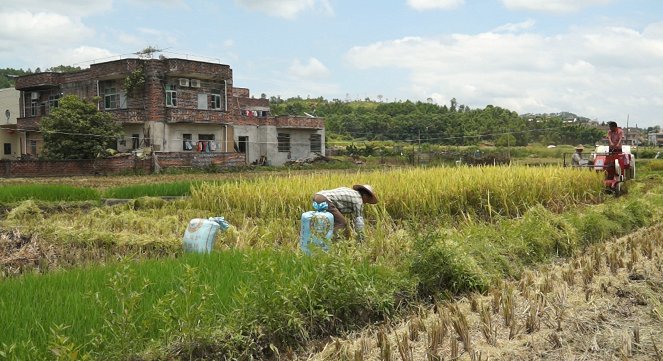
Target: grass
column 172, row 189
column 271, row 296
column 11, row 193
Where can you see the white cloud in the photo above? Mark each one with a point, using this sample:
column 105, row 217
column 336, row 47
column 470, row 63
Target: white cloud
column 41, row 30
column 314, row 69
column 70, row 8
column 288, row 9
column 554, row 6
column 81, row 56
column 596, row 72
column 435, row 4
column 513, row 28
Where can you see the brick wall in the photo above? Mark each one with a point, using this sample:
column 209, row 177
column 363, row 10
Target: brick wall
column 198, row 160
column 117, row 165
column 67, row 168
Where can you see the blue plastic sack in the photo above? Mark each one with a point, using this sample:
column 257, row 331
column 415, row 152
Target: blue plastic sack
column 200, row 234
column 317, row 228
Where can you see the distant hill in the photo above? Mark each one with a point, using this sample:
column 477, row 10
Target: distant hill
column 7, row 74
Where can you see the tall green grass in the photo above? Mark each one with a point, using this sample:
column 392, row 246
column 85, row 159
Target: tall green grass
column 268, row 297
column 172, row 189
column 46, row 192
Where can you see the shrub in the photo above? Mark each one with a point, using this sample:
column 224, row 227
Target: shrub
column 440, row 265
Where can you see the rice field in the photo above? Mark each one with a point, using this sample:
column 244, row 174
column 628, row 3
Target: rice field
column 438, row 230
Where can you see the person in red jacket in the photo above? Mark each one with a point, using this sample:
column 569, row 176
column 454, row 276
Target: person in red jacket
column 615, row 137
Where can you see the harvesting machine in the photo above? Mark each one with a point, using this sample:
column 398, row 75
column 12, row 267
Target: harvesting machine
column 618, row 165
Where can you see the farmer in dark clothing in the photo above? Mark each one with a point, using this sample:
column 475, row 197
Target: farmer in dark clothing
column 347, row 201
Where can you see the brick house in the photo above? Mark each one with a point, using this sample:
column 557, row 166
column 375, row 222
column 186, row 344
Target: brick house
column 172, row 106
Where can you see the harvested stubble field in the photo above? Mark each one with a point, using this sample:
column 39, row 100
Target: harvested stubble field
column 604, row 304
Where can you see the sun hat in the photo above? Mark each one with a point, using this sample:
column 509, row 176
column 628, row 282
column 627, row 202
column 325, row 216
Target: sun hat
column 579, row 146
column 368, row 190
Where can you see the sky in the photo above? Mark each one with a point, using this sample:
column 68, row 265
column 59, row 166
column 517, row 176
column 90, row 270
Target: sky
column 601, row 59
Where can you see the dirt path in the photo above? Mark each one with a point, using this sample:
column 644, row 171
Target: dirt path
column 604, row 304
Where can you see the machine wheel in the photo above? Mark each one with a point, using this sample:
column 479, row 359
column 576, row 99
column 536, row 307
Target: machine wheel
column 620, row 189
column 618, row 169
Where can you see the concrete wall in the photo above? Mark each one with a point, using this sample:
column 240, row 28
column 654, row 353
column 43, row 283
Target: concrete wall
column 9, row 105
column 174, row 136
column 253, row 149
column 300, row 144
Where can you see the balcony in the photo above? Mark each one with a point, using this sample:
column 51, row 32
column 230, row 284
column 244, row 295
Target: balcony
column 38, row 81
column 180, row 115
column 296, row 122
column 128, row 116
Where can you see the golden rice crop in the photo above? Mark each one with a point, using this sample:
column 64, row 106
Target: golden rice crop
column 411, row 193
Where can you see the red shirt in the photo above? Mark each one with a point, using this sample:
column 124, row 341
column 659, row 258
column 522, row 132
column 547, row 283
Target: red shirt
column 615, row 138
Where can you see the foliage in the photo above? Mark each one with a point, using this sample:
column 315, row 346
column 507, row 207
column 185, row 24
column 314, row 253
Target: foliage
column 441, row 265
column 64, row 69
column 427, row 122
column 7, row 76
column 76, row 129
column 135, row 80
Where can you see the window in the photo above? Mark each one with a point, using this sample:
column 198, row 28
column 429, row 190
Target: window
column 243, row 142
column 53, row 101
column 135, row 141
column 33, row 147
column 111, row 98
column 33, row 108
column 202, row 101
column 8, row 148
column 215, row 99
column 171, row 95
column 206, row 143
column 316, row 143
column 187, row 142
column 283, row 140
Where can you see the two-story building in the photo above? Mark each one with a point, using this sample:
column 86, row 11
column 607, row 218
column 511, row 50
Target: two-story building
column 172, row 105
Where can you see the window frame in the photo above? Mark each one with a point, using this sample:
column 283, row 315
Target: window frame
column 283, row 142
column 171, row 95
column 315, row 142
column 215, row 99
column 187, row 138
column 53, row 101
column 135, row 141
column 111, row 98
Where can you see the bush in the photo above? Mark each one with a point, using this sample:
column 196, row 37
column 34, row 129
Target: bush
column 440, row 265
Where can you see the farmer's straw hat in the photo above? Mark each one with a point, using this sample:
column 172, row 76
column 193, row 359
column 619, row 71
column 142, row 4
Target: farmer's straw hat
column 580, row 147
column 368, row 190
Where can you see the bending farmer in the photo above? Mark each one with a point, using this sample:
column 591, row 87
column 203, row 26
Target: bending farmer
column 347, row 201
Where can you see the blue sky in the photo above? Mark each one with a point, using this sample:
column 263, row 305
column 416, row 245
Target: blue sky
column 602, row 59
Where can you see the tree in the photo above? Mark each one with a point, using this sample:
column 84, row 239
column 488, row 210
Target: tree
column 64, row 69
column 77, row 130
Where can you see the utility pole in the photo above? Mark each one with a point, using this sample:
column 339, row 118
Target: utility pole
column 419, row 153
column 626, row 136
